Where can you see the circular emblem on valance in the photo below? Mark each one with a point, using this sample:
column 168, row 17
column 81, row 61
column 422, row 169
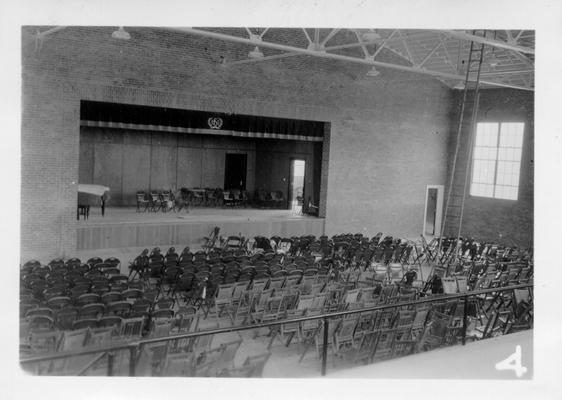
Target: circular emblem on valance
column 215, row 122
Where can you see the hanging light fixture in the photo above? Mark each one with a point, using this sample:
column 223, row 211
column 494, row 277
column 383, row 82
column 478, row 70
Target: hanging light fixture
column 256, row 53
column 373, row 71
column 121, row 34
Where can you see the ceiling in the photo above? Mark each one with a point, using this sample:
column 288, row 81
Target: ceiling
column 508, row 55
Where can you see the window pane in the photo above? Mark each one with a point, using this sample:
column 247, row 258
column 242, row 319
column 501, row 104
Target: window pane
column 509, row 154
column 511, row 134
column 506, row 192
column 499, row 193
column 485, row 153
column 484, row 171
column 512, row 193
column 508, row 173
column 475, row 189
column 487, row 134
column 481, row 190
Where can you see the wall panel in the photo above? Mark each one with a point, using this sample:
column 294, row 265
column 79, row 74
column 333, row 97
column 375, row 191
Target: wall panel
column 86, row 169
column 136, row 171
column 213, row 167
column 189, row 167
column 108, row 158
column 163, row 167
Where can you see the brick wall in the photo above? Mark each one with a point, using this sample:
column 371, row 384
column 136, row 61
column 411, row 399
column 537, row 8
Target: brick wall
column 387, row 139
column 504, row 221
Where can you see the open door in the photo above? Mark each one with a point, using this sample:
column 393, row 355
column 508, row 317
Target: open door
column 235, row 171
column 433, row 210
column 296, row 183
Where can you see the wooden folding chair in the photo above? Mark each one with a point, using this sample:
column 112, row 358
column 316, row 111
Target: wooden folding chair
column 252, row 367
column 365, row 346
column 180, row 364
column 227, row 356
column 383, row 347
column 343, row 341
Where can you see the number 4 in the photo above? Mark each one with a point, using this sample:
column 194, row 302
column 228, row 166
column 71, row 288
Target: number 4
column 513, row 363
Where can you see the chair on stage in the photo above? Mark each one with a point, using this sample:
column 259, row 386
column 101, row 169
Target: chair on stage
column 227, row 199
column 155, row 201
column 197, row 196
column 142, row 201
column 297, row 205
column 278, row 199
column 167, row 201
column 236, row 197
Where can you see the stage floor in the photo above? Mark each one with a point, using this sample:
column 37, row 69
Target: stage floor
column 123, row 227
column 124, row 215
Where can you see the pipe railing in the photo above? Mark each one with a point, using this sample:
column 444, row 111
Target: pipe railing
column 134, row 346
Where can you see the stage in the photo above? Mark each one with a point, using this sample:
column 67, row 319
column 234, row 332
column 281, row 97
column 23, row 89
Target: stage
column 124, row 227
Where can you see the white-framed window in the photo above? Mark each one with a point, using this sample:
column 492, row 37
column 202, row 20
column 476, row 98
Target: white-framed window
column 496, row 161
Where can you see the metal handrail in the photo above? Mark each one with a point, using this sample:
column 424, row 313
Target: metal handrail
column 132, row 346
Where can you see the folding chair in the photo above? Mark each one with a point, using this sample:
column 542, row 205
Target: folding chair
column 365, row 346
column 227, row 356
column 259, row 285
column 180, row 364
column 142, row 202
column 243, row 308
column 419, row 322
column 343, row 341
column 100, row 337
column 155, row 201
column 383, row 348
column 203, row 343
column 333, row 325
column 276, row 283
column 435, row 330
column 70, row 340
column 289, row 330
column 396, row 272
column 224, row 299
column 252, row 367
column 403, row 347
column 132, row 328
column 385, row 319
column 110, row 321
column 351, row 297
column 449, row 285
